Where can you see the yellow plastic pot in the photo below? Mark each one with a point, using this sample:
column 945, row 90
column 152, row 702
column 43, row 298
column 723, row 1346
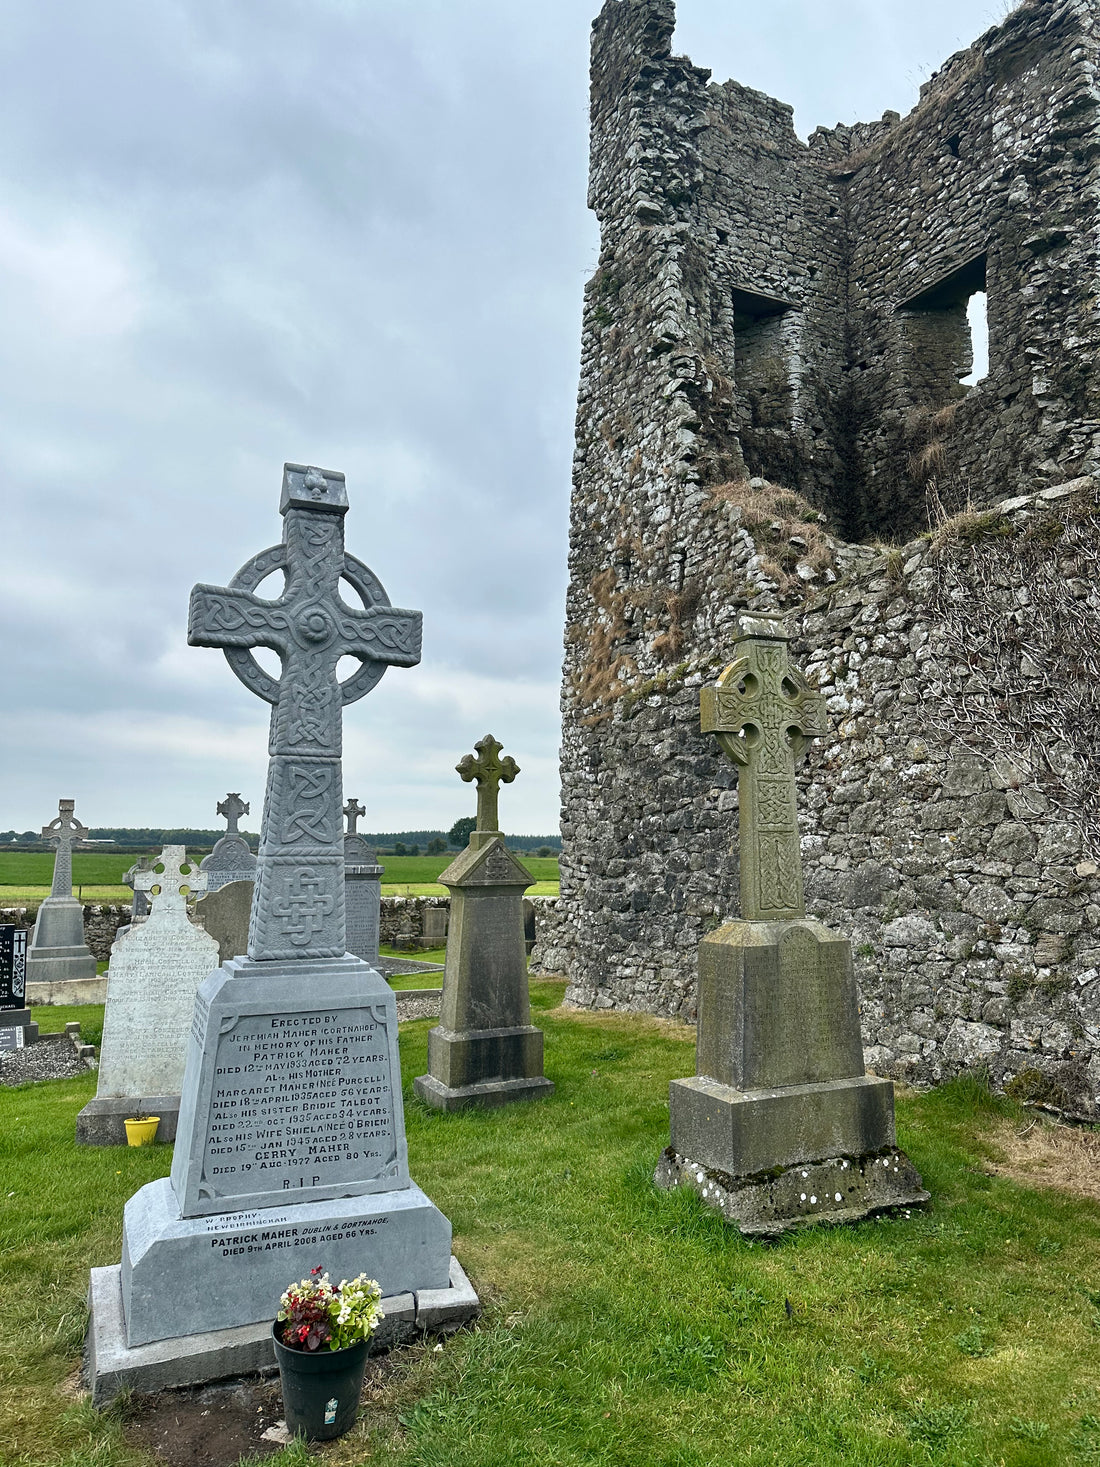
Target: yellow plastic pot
column 141, row 1130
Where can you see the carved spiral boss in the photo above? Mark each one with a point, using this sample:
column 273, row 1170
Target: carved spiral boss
column 298, row 904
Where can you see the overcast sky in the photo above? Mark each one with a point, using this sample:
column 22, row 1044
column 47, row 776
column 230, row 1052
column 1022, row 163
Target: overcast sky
column 343, row 232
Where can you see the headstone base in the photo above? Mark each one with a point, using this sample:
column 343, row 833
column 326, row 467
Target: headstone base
column 57, row 952
column 187, row 1275
column 68, row 991
column 112, row 1366
column 486, row 1093
column 841, row 1189
column 742, row 1132
column 59, row 965
column 102, row 1121
column 19, row 1019
column 482, row 1067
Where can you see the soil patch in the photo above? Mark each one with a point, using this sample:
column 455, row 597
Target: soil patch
column 217, row 1425
column 1041, row 1153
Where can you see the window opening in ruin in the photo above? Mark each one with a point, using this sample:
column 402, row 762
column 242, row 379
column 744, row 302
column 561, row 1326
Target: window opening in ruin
column 953, row 144
column 765, row 330
column 979, row 338
column 948, row 345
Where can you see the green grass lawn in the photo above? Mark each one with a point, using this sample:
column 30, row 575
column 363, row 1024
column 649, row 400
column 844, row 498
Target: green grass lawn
column 625, row 1327
column 25, row 876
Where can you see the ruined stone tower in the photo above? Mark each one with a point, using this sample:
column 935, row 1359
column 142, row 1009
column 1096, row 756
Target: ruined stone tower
column 772, row 414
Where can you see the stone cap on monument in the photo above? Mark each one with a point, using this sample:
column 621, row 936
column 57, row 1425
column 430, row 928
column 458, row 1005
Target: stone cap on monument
column 492, row 864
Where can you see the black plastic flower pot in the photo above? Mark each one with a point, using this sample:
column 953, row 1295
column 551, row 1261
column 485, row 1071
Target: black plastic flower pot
column 321, row 1388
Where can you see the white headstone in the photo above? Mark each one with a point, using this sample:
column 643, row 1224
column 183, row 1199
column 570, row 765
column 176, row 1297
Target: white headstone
column 154, row 974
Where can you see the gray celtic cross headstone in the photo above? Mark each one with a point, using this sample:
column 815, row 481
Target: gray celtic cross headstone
column 490, row 771
column 290, row 1147
column 231, row 860
column 354, row 812
column 231, row 809
column 485, row 1050
column 58, row 952
column 780, row 1125
column 66, row 830
column 298, row 908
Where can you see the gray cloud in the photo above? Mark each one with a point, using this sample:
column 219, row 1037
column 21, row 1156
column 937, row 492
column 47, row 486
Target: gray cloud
column 351, row 234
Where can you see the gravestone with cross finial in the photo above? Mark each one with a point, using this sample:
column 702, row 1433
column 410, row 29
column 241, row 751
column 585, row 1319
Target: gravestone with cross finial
column 290, row 1149
column 155, row 971
column 780, row 1125
column 231, row 859
column 139, row 906
column 485, row 1050
column 58, row 952
column 362, row 889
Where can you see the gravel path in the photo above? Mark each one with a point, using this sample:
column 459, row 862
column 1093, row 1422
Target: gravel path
column 417, row 1008
column 389, row 966
column 52, row 1058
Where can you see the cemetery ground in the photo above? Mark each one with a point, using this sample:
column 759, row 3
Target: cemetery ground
column 622, row 1326
column 25, row 876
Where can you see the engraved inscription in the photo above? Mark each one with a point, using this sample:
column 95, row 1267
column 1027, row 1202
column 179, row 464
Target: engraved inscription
column 300, row 1101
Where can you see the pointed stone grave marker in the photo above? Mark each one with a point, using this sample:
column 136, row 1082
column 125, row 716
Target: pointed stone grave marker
column 485, row 1050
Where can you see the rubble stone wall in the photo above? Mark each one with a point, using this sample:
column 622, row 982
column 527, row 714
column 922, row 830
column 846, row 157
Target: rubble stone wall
column 771, row 355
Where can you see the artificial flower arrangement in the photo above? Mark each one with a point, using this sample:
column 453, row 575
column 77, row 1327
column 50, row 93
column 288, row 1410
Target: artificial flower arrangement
column 316, row 1314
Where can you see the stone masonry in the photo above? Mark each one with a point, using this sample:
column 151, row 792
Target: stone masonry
column 771, row 416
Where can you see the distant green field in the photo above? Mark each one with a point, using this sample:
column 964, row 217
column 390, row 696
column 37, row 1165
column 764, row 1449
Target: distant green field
column 90, row 868
column 25, row 876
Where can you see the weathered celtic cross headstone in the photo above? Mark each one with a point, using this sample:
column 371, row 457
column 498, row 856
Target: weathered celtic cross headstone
column 231, row 859
column 58, row 952
column 290, row 1150
column 490, row 771
column 155, row 971
column 764, row 712
column 485, row 1050
column 780, row 1125
column 362, row 889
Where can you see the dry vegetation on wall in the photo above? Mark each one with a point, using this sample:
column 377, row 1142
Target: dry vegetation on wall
column 789, row 555
column 789, row 534
column 997, row 644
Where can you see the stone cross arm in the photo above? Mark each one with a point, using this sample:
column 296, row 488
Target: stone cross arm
column 490, row 771
column 65, row 827
column 222, row 616
column 171, row 881
column 231, row 809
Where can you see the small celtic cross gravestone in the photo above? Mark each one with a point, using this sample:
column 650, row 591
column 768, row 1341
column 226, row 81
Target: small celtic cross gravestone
column 490, row 771
column 231, row 809
column 298, row 907
column 170, row 885
column 67, row 831
column 764, row 712
column 353, row 812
